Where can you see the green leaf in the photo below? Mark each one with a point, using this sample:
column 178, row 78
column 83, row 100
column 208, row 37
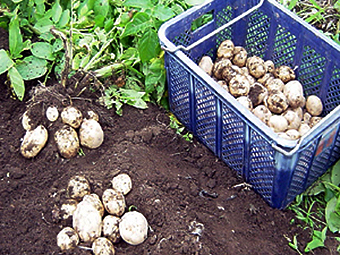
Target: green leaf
column 148, row 46
column 31, row 67
column 332, row 215
column 144, row 4
column 15, row 37
column 64, row 19
column 140, row 23
column 194, row 2
column 42, row 50
column 335, row 174
column 337, row 5
column 134, row 98
column 56, row 11
column 101, row 7
column 155, row 77
column 43, row 25
column 17, row 82
column 318, row 240
column 162, row 12
column 6, row 62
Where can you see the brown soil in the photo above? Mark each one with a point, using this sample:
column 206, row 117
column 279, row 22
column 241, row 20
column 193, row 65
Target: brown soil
column 179, row 186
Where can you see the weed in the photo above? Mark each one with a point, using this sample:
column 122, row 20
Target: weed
column 176, row 125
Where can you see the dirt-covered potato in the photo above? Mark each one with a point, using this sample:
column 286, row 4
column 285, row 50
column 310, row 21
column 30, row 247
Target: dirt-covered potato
column 285, row 73
column 240, row 56
column 87, row 221
column 91, row 134
column 67, row 208
column 219, row 67
column 78, row 186
column 225, row 49
column 230, row 72
column 71, row 116
column 276, row 102
column 293, row 119
column 239, row 86
column 314, row 121
column 314, row 105
column 95, row 201
column 103, row 246
column 293, row 91
column 275, row 85
column 270, row 67
column 92, row 115
column 34, row 141
column 133, row 228
column 67, row 141
column 52, row 113
column 303, row 129
column 67, row 239
column 293, row 134
column 122, row 183
column 256, row 66
column 262, row 113
column 257, row 93
column 26, row 121
column 306, row 118
column 265, row 78
column 111, row 228
column 246, row 102
column 206, row 64
column 278, row 123
column 114, row 202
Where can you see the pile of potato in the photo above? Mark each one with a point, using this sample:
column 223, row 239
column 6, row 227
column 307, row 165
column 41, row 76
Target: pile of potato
column 74, row 132
column 100, row 222
column 272, row 94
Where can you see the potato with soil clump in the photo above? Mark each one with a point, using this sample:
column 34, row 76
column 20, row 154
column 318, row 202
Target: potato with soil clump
column 72, row 116
column 34, row 141
column 67, row 239
column 67, row 141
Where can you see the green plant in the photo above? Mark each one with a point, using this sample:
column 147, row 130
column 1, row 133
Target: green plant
column 179, row 128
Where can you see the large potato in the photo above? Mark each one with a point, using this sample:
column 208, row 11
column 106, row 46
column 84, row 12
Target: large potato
column 67, row 141
column 71, row 116
column 114, row 202
column 91, row 134
column 133, row 228
column 34, row 141
column 95, row 201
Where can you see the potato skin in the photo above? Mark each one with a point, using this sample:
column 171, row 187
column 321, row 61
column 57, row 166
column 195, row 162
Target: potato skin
column 34, row 141
column 67, row 141
column 91, row 134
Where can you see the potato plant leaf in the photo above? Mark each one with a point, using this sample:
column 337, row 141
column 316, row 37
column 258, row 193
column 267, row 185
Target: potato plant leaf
column 163, row 13
column 319, row 238
column 43, row 25
column 56, row 11
column 6, row 62
column 15, row 37
column 32, row 67
column 148, row 46
column 140, row 23
column 42, row 50
column 144, row 4
column 17, row 82
column 64, row 18
column 332, row 214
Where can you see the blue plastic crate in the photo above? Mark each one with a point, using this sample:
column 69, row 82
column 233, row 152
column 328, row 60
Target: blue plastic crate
column 278, row 169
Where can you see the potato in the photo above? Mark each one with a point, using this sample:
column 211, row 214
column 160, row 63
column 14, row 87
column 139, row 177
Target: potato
column 52, row 113
column 257, row 93
column 26, row 121
column 103, row 246
column 95, row 201
column 276, row 102
column 219, row 67
column 122, row 183
column 303, row 129
column 206, row 64
column 240, row 56
column 274, row 85
column 230, row 72
column 239, row 86
column 314, row 121
column 133, row 228
column 256, row 66
column 293, row 119
column 266, row 77
column 67, row 239
column 246, row 102
column 262, row 113
column 92, row 115
column 78, row 186
column 223, row 84
column 91, row 134
column 67, row 141
column 293, row 91
column 67, row 208
column 278, row 123
column 87, row 221
column 111, row 228
column 285, row 73
column 225, row 49
column 34, row 141
column 270, row 67
column 71, row 116
column 114, row 202
column 314, row 105
column 293, row 134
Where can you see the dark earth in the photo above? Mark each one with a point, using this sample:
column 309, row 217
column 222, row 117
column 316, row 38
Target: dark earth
column 179, row 186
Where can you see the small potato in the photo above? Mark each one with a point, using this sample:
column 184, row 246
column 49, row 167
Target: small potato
column 314, row 121
column 71, row 116
column 52, row 113
column 304, row 128
column 95, row 201
column 67, row 141
column 314, row 105
column 91, row 134
column 78, row 186
column 219, row 67
column 278, row 123
column 293, row 134
column 206, row 64
column 122, row 183
column 266, row 77
column 262, row 113
column 92, row 115
column 246, row 102
column 276, row 102
column 67, row 208
column 257, row 93
column 240, row 56
column 26, row 121
column 256, row 66
column 275, row 85
column 87, row 221
column 133, row 228
column 114, row 202
column 67, row 239
column 239, row 86
column 230, row 72
column 34, row 141
column 285, row 73
column 103, row 246
column 293, row 119
column 111, row 228
column 293, row 91
column 270, row 67
column 225, row 49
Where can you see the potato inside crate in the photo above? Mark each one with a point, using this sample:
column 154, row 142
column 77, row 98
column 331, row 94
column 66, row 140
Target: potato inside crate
column 278, row 169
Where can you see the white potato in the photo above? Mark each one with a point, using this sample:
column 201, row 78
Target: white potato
column 91, row 134
column 114, row 202
column 52, row 113
column 95, row 201
column 71, row 116
column 206, row 64
column 133, row 228
column 25, row 121
column 67, row 208
column 103, row 246
column 92, row 115
column 78, row 186
column 34, row 141
column 314, row 105
column 122, row 183
column 67, row 239
column 87, row 221
column 278, row 123
column 67, row 141
column 111, row 228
